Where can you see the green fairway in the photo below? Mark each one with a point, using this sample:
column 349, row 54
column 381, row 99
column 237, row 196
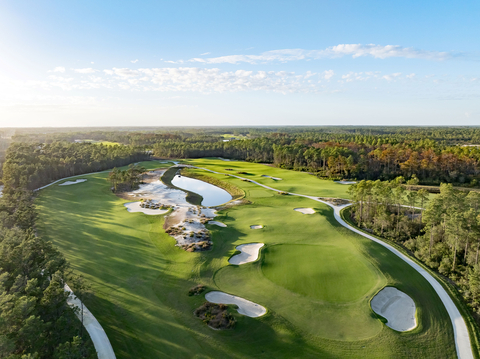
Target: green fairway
column 291, row 181
column 315, row 277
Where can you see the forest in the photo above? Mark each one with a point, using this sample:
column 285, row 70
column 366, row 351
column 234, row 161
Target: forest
column 433, row 154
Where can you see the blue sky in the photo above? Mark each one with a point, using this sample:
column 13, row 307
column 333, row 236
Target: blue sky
column 107, row 63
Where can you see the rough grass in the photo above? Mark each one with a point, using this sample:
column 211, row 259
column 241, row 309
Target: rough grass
column 141, row 279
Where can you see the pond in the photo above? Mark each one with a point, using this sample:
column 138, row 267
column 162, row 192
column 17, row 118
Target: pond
column 212, row 195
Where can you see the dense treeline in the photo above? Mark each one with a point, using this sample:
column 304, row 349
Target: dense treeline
column 433, row 154
column 363, row 158
column 35, row 318
column 445, row 235
column 31, row 166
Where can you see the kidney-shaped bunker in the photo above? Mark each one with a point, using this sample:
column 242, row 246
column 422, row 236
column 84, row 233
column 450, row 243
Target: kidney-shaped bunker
column 397, row 307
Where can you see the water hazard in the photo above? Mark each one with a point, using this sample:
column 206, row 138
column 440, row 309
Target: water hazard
column 212, row 195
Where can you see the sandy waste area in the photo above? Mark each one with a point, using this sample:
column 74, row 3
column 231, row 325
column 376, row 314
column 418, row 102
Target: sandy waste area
column 245, row 307
column 345, row 182
column 397, row 307
column 68, row 183
column 186, row 222
column 249, row 253
column 305, row 210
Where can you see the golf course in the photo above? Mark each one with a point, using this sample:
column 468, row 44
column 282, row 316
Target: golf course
column 315, row 277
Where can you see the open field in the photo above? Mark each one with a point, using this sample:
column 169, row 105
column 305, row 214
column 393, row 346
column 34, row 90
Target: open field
column 314, row 277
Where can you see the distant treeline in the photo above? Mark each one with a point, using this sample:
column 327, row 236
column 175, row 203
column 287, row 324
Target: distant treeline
column 433, row 154
column 32, row 165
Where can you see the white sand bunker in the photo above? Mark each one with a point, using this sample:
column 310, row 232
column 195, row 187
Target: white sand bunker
column 345, row 182
column 245, row 307
column 135, row 207
column 249, row 253
column 274, row 178
column 220, row 224
column 256, row 226
column 305, row 210
column 397, row 307
column 68, row 183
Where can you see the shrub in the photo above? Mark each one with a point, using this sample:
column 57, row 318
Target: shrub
column 196, row 290
column 215, row 315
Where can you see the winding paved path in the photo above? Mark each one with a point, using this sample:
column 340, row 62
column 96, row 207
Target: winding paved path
column 460, row 330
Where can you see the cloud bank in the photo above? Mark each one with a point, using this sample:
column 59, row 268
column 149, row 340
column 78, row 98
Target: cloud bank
column 353, row 50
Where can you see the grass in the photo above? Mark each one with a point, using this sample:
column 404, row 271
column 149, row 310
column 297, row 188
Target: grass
column 141, row 280
column 318, row 271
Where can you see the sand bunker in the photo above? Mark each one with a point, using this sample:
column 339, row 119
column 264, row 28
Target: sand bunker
column 249, row 253
column 345, row 182
column 274, row 178
column 257, row 226
column 135, row 207
column 305, row 210
column 397, row 307
column 220, row 224
column 68, row 183
column 245, row 307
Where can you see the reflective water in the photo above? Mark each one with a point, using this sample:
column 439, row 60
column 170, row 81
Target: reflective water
column 212, row 195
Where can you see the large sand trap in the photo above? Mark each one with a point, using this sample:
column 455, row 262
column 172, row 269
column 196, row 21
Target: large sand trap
column 245, row 307
column 135, row 207
column 274, row 178
column 249, row 253
column 305, row 210
column 256, row 226
column 397, row 307
column 345, row 182
column 220, row 224
column 68, row 183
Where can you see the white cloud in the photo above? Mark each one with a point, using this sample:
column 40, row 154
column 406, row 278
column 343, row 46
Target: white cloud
column 212, row 80
column 353, row 50
column 327, row 75
column 134, row 61
column 205, row 53
column 60, row 69
column 410, row 76
column 87, row 70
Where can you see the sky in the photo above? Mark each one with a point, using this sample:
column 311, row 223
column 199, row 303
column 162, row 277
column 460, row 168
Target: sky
column 239, row 63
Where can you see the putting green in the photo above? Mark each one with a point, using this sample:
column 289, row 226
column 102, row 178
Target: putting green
column 318, row 271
